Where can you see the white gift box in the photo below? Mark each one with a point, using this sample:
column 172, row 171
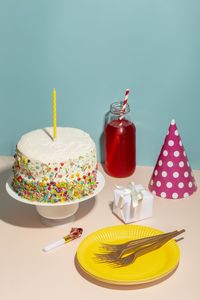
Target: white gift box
column 132, row 203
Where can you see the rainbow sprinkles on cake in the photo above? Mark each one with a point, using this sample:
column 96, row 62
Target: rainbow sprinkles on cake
column 55, row 170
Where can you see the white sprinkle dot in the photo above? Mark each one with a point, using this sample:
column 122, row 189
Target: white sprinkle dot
column 188, row 163
column 186, row 174
column 176, row 132
column 175, row 174
column 181, row 185
column 181, row 164
column 156, row 172
column 174, row 195
column 165, row 152
column 152, row 182
column 171, row 143
column 158, row 183
column 154, row 192
column 185, row 195
column 184, row 153
column 180, row 143
column 160, row 162
column 164, row 174
column 176, row 153
column 169, row 184
column 170, row 164
column 163, row 195
column 190, row 184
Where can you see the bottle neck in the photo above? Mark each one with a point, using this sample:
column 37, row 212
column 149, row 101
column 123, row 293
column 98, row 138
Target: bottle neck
column 117, row 109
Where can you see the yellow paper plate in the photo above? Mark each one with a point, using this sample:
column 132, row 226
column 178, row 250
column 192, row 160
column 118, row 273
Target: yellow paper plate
column 147, row 268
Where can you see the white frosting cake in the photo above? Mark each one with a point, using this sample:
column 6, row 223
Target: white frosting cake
column 70, row 143
column 48, row 170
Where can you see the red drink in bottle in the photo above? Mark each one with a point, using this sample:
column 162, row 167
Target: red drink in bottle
column 120, row 143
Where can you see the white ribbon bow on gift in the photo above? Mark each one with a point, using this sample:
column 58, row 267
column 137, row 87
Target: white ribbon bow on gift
column 134, row 195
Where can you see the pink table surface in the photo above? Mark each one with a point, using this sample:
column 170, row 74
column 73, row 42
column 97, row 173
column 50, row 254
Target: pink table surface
column 28, row 273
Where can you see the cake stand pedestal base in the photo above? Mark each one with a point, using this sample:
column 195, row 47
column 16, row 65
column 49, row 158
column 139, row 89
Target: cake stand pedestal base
column 58, row 215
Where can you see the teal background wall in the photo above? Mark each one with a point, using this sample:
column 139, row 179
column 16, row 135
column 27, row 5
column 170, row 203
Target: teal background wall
column 91, row 51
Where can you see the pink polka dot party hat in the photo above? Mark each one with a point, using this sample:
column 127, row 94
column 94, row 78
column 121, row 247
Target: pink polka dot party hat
column 172, row 177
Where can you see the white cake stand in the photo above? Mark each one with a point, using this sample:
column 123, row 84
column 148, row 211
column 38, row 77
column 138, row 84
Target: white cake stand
column 54, row 214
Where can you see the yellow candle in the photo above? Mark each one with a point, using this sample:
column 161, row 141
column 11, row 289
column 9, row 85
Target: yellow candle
column 54, row 113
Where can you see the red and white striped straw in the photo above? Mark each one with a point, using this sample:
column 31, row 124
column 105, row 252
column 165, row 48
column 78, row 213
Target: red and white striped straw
column 124, row 103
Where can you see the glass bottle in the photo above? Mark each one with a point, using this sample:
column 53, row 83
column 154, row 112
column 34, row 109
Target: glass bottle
column 120, row 142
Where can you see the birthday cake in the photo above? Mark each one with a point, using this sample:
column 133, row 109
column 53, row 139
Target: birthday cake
column 53, row 171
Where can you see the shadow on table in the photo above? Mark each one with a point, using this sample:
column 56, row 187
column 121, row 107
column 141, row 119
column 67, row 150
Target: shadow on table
column 25, row 215
column 120, row 287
